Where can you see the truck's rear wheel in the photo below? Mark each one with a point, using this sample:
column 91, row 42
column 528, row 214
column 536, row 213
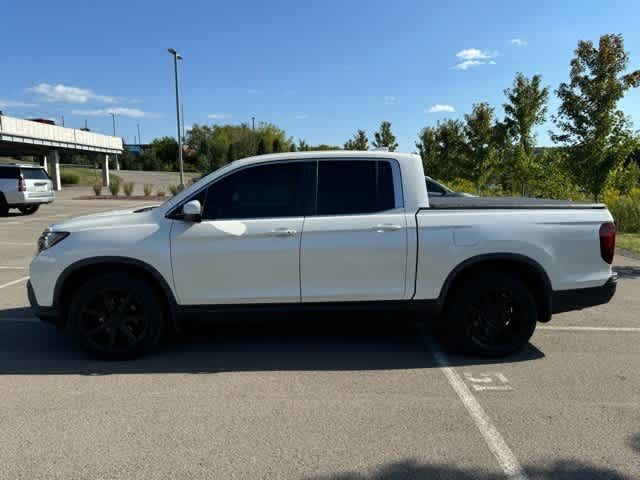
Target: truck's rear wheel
column 116, row 316
column 490, row 314
column 29, row 209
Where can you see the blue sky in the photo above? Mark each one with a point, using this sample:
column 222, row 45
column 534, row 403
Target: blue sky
column 320, row 70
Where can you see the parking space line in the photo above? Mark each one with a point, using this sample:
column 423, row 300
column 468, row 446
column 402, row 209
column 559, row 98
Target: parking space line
column 14, row 282
column 492, row 437
column 589, row 329
column 11, row 267
column 23, row 244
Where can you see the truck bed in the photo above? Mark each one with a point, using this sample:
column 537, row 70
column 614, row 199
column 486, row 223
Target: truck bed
column 508, row 203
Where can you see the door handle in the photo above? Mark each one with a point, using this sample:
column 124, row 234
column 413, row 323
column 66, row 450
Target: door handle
column 283, row 232
column 386, row 227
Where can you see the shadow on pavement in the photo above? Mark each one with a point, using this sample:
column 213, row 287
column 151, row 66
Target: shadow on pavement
column 627, row 271
column 240, row 343
column 411, row 469
column 634, row 442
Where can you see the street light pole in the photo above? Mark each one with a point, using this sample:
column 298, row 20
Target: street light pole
column 113, row 119
column 176, row 57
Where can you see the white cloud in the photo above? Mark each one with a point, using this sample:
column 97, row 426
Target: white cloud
column 219, row 116
column 467, row 64
column 440, row 108
column 302, row 116
column 518, row 42
column 68, row 94
column 118, row 111
column 472, row 57
column 252, row 91
column 390, row 100
column 473, row 54
column 13, row 104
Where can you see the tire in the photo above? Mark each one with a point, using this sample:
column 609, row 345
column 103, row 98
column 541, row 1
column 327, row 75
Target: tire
column 4, row 208
column 116, row 316
column 490, row 314
column 29, row 210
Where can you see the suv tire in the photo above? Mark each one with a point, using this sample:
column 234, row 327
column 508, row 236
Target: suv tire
column 29, row 209
column 490, row 314
column 4, row 208
column 116, row 316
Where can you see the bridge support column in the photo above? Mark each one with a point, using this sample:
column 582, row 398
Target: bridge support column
column 53, row 157
column 105, row 170
column 43, row 163
column 117, row 162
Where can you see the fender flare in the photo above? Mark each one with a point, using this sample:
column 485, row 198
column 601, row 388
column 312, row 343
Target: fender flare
column 115, row 261
column 540, row 274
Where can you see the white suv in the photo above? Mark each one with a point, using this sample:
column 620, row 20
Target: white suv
column 24, row 187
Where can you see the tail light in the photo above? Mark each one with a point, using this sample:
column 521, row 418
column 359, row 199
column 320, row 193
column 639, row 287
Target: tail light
column 22, row 185
column 607, row 241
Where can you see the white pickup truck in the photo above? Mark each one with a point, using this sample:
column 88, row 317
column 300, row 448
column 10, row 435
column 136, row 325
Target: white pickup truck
column 324, row 230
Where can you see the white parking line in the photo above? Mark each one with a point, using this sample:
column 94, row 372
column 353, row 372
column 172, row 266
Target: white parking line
column 12, row 267
column 24, row 244
column 589, row 329
column 14, row 282
column 492, row 437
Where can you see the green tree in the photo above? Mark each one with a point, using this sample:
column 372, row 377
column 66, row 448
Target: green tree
column 302, row 145
column 262, row 148
column 166, row 151
column 598, row 135
column 385, row 138
column 481, row 135
column 526, row 107
column 429, row 150
column 277, row 146
column 358, row 142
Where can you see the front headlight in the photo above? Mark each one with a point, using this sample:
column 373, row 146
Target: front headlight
column 49, row 238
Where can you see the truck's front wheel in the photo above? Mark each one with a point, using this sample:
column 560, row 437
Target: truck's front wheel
column 491, row 314
column 116, row 315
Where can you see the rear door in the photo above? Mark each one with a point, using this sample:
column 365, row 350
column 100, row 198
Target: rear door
column 36, row 180
column 354, row 246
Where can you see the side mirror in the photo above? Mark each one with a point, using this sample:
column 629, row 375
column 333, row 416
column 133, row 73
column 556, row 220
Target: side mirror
column 192, row 211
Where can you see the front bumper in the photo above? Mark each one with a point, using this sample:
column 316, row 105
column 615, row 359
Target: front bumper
column 568, row 300
column 46, row 314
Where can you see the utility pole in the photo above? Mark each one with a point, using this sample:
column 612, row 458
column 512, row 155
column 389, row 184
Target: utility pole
column 176, row 57
column 139, row 136
column 62, row 119
column 253, row 123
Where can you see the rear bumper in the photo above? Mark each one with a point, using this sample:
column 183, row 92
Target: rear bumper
column 18, row 199
column 568, row 300
column 46, row 314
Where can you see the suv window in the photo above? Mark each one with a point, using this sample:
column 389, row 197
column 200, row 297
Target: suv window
column 354, row 186
column 9, row 172
column 262, row 191
column 34, row 174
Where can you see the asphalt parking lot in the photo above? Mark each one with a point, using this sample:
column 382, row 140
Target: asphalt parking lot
column 315, row 398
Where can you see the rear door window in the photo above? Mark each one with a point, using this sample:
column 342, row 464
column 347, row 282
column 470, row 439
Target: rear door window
column 34, row 174
column 9, row 172
column 347, row 187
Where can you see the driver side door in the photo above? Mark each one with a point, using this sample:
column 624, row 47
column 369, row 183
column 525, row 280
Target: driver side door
column 246, row 249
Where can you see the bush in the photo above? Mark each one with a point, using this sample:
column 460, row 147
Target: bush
column 160, row 192
column 114, row 187
column 69, row 179
column 625, row 209
column 175, row 189
column 147, row 189
column 128, row 188
column 97, row 188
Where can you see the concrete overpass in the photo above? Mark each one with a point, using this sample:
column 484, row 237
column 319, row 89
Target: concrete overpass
column 26, row 137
